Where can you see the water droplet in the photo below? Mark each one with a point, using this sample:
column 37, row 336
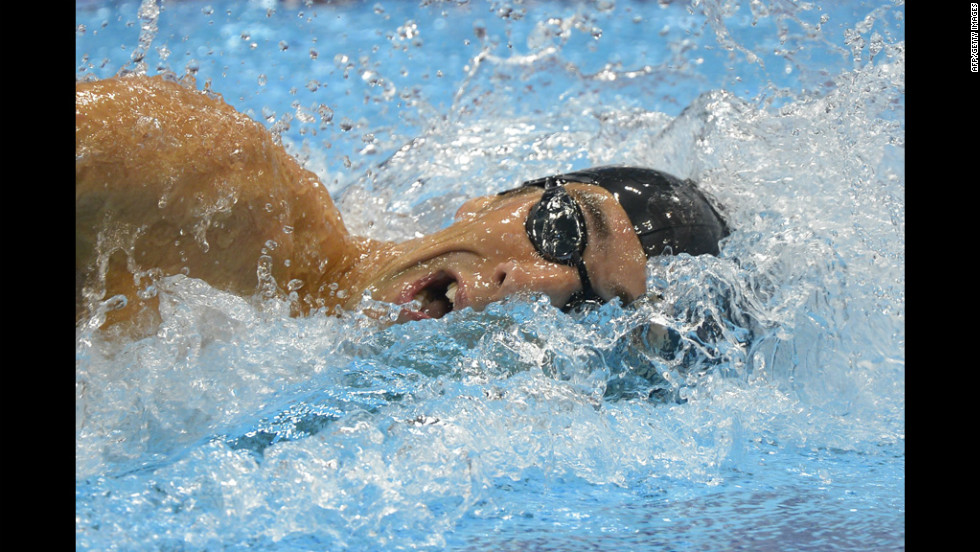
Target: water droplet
column 263, row 271
column 148, row 292
column 114, row 303
column 408, row 30
column 326, row 114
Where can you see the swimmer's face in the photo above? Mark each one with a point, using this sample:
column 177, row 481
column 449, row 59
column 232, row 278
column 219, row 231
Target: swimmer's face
column 486, row 255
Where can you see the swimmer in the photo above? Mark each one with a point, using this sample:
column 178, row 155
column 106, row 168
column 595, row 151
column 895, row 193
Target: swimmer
column 171, row 180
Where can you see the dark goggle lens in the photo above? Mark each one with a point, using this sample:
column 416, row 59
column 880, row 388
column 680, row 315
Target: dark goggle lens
column 556, row 227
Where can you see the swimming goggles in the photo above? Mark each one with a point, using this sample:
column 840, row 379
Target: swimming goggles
column 556, row 227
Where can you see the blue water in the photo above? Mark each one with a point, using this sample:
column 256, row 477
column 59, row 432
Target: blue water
column 775, row 418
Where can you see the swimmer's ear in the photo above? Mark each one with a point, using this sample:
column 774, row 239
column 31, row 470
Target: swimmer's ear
column 473, row 206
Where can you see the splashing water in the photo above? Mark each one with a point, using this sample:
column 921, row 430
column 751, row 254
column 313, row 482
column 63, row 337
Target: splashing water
column 759, row 404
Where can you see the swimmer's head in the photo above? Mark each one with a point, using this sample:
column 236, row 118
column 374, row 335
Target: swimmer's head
column 577, row 237
column 669, row 215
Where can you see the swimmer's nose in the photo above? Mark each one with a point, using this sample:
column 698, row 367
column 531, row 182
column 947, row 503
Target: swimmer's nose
column 556, row 281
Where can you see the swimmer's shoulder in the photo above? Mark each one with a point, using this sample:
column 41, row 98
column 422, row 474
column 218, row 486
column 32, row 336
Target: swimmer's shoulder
column 192, row 186
column 159, row 118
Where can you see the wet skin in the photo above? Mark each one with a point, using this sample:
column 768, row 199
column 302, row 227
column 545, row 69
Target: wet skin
column 172, row 181
column 486, row 255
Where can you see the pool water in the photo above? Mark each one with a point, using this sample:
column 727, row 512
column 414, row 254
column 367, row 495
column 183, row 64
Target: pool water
column 772, row 419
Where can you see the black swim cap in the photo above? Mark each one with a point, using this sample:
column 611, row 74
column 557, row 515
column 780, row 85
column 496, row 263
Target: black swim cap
column 667, row 213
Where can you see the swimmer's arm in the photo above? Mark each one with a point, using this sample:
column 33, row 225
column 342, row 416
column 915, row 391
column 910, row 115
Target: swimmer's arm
column 170, row 179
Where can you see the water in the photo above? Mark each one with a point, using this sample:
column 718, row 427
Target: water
column 776, row 419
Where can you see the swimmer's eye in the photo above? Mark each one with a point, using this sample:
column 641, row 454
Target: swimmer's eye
column 556, row 227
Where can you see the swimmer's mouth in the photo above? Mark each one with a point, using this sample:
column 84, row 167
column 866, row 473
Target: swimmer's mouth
column 436, row 295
